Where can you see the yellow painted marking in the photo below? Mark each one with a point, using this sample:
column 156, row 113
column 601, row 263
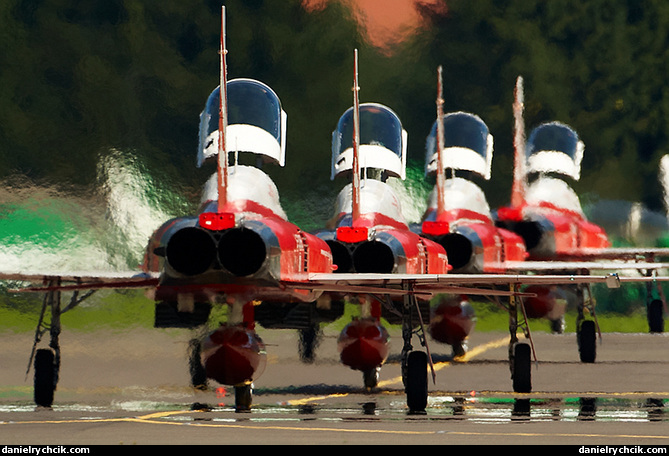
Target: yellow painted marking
column 156, row 418
column 315, row 398
column 151, row 419
column 476, row 351
column 479, row 349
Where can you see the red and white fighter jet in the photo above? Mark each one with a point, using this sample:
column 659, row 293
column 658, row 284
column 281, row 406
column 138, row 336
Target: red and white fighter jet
column 240, row 249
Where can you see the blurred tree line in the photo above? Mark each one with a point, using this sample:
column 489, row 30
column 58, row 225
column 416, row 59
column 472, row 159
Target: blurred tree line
column 79, row 78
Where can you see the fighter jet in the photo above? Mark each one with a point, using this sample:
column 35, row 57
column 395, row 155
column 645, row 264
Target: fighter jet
column 459, row 149
column 546, row 212
column 239, row 249
column 368, row 232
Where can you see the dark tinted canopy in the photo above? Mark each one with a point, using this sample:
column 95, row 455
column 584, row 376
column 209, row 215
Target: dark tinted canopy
column 250, row 102
column 553, row 136
column 379, row 126
column 461, row 129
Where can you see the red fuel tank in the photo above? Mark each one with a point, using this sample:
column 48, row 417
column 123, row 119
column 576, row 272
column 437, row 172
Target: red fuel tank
column 363, row 344
column 233, row 355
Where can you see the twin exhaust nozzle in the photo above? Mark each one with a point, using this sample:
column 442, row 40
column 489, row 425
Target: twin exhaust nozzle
column 193, row 251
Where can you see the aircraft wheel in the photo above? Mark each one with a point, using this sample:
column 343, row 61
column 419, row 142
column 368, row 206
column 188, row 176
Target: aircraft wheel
column 198, row 375
column 308, row 341
column 371, row 378
column 459, row 350
column 557, row 325
column 522, row 369
column 656, row 316
column 45, row 377
column 416, row 387
column 243, row 398
column 587, row 342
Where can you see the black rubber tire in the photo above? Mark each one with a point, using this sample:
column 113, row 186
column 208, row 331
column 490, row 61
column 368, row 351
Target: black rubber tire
column 371, row 378
column 587, row 342
column 309, row 339
column 198, row 374
column 522, row 369
column 416, row 388
column 243, row 398
column 45, row 377
column 656, row 316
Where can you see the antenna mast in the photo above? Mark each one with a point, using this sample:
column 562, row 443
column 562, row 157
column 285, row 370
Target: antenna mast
column 440, row 144
column 518, row 188
column 356, row 143
column 223, row 122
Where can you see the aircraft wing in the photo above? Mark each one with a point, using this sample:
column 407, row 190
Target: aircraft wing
column 353, row 283
column 457, row 283
column 50, row 280
column 615, row 253
column 594, row 265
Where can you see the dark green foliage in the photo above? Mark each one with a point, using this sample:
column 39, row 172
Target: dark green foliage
column 596, row 65
column 78, row 79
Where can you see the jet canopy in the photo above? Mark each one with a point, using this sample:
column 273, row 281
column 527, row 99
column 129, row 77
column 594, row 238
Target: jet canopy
column 256, row 122
column 554, row 148
column 382, row 146
column 468, row 145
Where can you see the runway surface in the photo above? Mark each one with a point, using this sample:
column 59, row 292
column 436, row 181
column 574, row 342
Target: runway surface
column 130, row 387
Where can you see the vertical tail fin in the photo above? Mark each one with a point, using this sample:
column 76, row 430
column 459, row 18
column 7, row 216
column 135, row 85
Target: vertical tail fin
column 356, row 142
column 519, row 182
column 223, row 122
column 440, row 144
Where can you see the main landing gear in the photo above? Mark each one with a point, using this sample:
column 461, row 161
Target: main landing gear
column 520, row 353
column 656, row 308
column 46, row 361
column 414, row 363
column 587, row 328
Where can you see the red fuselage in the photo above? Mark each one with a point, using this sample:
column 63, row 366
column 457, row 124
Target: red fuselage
column 553, row 233
column 239, row 254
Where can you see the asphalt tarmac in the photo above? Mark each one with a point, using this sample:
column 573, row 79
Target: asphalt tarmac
column 131, row 387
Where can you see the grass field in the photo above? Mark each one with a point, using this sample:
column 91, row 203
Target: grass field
column 119, row 310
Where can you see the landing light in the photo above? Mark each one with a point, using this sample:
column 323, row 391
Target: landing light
column 435, row 228
column 514, row 214
column 352, row 234
column 217, row 221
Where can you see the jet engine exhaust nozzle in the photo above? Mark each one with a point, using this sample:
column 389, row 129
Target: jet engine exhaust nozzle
column 374, row 257
column 531, row 232
column 458, row 248
column 191, row 251
column 242, row 251
column 341, row 257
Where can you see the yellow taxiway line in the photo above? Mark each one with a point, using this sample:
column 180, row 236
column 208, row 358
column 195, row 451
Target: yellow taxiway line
column 476, row 351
